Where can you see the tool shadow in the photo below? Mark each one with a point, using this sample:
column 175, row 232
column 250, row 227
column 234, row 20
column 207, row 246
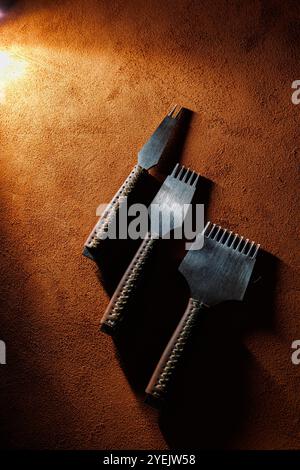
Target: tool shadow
column 209, row 405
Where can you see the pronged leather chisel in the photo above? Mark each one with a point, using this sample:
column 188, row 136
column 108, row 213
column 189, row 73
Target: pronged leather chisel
column 167, row 212
column 217, row 272
column 148, row 157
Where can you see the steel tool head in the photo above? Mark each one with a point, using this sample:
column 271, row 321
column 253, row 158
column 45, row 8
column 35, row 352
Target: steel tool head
column 222, row 268
column 155, row 147
column 168, row 208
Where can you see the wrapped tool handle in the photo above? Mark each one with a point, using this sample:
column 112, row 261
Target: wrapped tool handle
column 101, row 228
column 127, row 288
column 165, row 371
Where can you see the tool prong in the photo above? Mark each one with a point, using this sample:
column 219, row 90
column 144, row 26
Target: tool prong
column 184, row 174
column 211, row 231
column 190, row 178
column 217, row 233
column 186, row 178
column 255, row 252
column 196, row 180
column 223, row 235
column 206, row 227
column 233, row 241
column 245, row 246
column 180, row 173
column 174, row 170
column 178, row 113
column 170, row 113
column 250, row 248
column 239, row 244
column 227, row 242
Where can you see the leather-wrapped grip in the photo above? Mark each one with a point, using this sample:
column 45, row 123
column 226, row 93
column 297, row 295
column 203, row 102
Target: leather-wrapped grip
column 100, row 230
column 125, row 292
column 164, row 373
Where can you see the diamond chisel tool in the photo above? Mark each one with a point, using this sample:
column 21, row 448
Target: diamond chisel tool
column 148, row 157
column 217, row 272
column 167, row 212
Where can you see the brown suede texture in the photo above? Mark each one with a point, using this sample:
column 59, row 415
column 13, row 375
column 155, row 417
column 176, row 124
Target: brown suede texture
column 100, row 76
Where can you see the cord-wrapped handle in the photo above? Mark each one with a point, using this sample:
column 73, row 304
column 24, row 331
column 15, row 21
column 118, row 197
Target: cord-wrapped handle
column 100, row 230
column 164, row 373
column 127, row 288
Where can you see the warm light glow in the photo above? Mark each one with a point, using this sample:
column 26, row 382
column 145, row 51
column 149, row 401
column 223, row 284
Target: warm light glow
column 11, row 68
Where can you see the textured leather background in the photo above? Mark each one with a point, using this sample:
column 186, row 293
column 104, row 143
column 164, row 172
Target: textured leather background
column 101, row 75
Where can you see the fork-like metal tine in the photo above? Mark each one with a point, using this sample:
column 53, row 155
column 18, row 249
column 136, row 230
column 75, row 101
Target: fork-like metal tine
column 196, row 180
column 228, row 243
column 175, row 112
column 205, row 230
column 211, row 231
column 190, row 178
column 217, row 233
column 256, row 250
column 175, row 169
column 185, row 179
column 227, row 237
column 245, row 247
column 170, row 113
column 223, row 235
column 179, row 113
column 233, row 241
column 180, row 173
column 239, row 244
column 184, row 175
column 250, row 248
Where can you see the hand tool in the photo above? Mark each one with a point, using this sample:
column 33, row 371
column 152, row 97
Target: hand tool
column 166, row 214
column 217, row 272
column 149, row 156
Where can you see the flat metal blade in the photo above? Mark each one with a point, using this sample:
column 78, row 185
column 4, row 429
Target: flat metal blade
column 155, row 147
column 168, row 208
column 222, row 268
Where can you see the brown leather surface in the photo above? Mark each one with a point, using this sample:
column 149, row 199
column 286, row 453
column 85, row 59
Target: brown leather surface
column 100, row 76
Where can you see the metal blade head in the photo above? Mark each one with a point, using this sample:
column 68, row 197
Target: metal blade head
column 222, row 268
column 155, row 147
column 168, row 208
